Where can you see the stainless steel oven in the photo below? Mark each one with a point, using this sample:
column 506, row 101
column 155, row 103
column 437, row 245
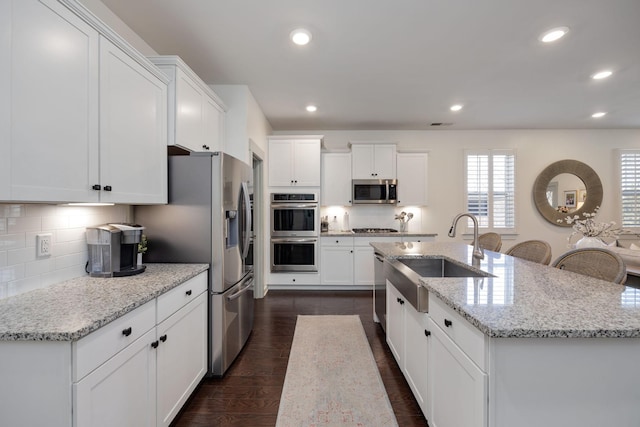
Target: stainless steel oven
column 294, row 254
column 294, row 215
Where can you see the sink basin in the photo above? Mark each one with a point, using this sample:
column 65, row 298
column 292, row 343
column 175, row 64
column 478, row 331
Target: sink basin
column 405, row 273
column 439, row 267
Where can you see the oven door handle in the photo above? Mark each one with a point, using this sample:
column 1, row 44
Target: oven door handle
column 293, row 240
column 294, row 205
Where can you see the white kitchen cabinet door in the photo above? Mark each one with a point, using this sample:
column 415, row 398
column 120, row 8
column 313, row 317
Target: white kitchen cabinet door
column 50, row 61
column 417, row 338
column 336, row 179
column 281, row 163
column 122, row 391
column 336, row 265
column 294, row 162
column 396, row 324
column 307, row 163
column 133, row 130
column 457, row 387
column 213, row 126
column 412, row 178
column 363, row 266
column 373, row 161
column 189, row 112
column 181, row 357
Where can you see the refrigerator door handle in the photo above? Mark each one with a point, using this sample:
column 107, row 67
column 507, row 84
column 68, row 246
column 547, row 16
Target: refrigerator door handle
column 241, row 291
column 247, row 214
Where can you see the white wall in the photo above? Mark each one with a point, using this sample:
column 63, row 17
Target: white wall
column 112, row 20
column 20, row 270
column 535, row 149
column 244, row 121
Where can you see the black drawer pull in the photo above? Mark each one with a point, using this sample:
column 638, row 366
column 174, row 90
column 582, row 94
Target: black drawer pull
column 126, row 332
column 188, row 292
column 96, row 187
column 155, row 344
column 427, row 333
column 107, row 188
column 447, row 322
column 163, row 338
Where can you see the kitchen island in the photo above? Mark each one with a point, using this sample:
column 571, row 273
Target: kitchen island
column 528, row 345
column 103, row 351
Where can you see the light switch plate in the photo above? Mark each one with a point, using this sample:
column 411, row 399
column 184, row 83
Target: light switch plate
column 43, row 245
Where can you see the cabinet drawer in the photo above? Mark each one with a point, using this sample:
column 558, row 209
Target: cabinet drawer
column 336, row 241
column 463, row 333
column 181, row 295
column 97, row 347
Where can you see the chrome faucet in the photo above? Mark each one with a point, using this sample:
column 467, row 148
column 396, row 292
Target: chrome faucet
column 478, row 253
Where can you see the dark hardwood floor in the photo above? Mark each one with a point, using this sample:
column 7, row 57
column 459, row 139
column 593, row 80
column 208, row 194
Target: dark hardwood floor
column 249, row 393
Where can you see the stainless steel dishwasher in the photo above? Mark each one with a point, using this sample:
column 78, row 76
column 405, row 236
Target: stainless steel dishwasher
column 380, row 292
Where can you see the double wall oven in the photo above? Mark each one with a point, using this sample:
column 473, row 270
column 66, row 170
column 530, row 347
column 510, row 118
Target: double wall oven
column 294, row 232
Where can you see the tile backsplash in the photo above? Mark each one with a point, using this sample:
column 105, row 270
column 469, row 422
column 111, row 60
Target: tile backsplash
column 20, row 269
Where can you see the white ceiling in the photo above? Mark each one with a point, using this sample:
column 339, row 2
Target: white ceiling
column 400, row 64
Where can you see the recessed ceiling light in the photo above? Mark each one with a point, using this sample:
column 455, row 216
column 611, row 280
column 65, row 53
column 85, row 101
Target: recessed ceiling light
column 312, row 108
column 300, row 36
column 601, row 75
column 553, row 34
column 598, row 115
column 456, row 107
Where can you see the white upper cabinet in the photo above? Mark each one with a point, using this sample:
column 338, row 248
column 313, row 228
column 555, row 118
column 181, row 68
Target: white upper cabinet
column 79, row 116
column 49, row 110
column 336, row 179
column 196, row 113
column 373, row 161
column 412, row 179
column 294, row 161
column 133, row 130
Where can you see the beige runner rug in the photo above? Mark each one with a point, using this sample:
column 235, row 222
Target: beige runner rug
column 332, row 378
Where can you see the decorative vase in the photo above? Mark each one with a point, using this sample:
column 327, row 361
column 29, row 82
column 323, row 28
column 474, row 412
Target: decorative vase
column 139, row 258
column 403, row 226
column 590, row 242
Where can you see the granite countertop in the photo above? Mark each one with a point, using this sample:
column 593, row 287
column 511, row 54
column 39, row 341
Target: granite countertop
column 353, row 234
column 525, row 299
column 72, row 309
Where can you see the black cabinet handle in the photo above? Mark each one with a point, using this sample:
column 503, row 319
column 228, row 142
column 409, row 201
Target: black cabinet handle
column 155, row 344
column 107, row 188
column 427, row 333
column 163, row 338
column 206, row 147
column 126, row 332
column 447, row 322
column 398, row 299
column 337, row 241
column 188, row 292
column 96, row 187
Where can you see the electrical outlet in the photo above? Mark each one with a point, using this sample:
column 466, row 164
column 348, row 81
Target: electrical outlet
column 43, row 245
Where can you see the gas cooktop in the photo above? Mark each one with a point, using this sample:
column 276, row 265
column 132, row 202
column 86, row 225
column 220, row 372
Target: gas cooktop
column 374, row 230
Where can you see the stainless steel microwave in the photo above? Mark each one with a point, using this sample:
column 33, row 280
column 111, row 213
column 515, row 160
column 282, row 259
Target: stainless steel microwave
column 375, row 191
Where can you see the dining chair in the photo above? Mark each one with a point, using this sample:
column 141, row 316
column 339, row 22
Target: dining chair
column 595, row 262
column 490, row 241
column 532, row 250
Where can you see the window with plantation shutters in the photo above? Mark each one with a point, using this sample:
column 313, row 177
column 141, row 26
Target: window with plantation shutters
column 490, row 189
column 630, row 188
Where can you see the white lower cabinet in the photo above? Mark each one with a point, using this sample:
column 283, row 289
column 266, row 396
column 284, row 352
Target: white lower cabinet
column 122, row 391
column 458, row 387
column 337, row 255
column 409, row 344
column 147, row 382
column 450, row 387
column 181, row 357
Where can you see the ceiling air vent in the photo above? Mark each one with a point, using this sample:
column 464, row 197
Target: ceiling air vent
column 440, row 124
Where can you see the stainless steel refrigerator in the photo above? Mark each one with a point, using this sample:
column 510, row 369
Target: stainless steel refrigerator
column 208, row 220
